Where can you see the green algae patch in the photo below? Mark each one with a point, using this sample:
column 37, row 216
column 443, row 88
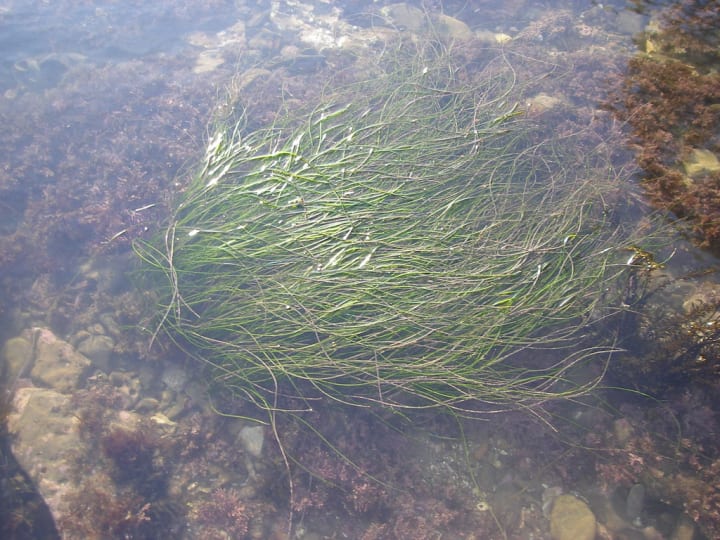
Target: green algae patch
column 412, row 241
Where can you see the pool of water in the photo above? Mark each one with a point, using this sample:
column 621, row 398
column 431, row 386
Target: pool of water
column 107, row 111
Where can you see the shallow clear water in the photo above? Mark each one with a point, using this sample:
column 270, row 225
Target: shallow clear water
column 106, row 108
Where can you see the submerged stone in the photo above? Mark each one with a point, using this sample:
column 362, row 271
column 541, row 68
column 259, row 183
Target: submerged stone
column 57, row 364
column 405, row 16
column 452, row 28
column 252, row 439
column 701, row 161
column 572, row 519
column 16, row 355
column 98, row 348
column 46, row 440
column 635, row 503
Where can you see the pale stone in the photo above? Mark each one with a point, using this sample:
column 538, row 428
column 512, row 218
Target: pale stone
column 623, row 430
column 486, row 36
column 45, row 441
column 451, row 28
column 98, row 348
column 207, row 61
column 684, row 530
column 702, row 296
column 542, row 102
column 147, row 405
column 252, row 439
column 57, row 364
column 162, row 420
column 200, row 39
column 572, row 519
column 405, row 16
column 16, row 357
column 701, row 161
column 635, row 503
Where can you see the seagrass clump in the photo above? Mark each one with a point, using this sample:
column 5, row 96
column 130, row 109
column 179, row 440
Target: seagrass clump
column 413, row 241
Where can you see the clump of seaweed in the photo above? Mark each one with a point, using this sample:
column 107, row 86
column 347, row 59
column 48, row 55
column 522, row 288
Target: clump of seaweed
column 135, row 456
column 672, row 347
column 122, row 483
column 670, row 98
column 98, row 509
column 412, row 242
column 664, row 451
column 376, row 478
column 96, row 512
column 223, row 515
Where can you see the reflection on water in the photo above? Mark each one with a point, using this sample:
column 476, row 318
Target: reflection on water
column 105, row 108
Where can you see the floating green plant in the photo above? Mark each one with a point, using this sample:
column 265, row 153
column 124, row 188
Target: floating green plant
column 414, row 241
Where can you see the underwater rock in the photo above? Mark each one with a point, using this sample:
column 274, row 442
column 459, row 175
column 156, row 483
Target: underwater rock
column 622, row 430
column 635, row 503
column 252, row 438
column 572, row 519
column 701, row 162
column 702, row 295
column 405, row 16
column 549, row 496
column 98, row 348
column 147, row 405
column 45, row 441
column 541, row 103
column 451, row 28
column 215, row 45
column 111, row 326
column 174, row 378
column 57, row 364
column 684, row 530
column 208, row 61
column 16, row 355
column 318, row 30
column 492, row 38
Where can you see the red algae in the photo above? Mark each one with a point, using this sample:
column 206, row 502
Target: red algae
column 670, row 97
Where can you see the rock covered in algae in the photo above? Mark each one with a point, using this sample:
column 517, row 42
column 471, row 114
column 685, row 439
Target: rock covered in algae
column 16, row 354
column 97, row 347
column 572, row 519
column 57, row 364
column 45, row 440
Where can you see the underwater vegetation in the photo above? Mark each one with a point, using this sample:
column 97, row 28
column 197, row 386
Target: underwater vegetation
column 123, row 492
column 671, row 349
column 671, row 99
column 523, row 183
column 411, row 242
